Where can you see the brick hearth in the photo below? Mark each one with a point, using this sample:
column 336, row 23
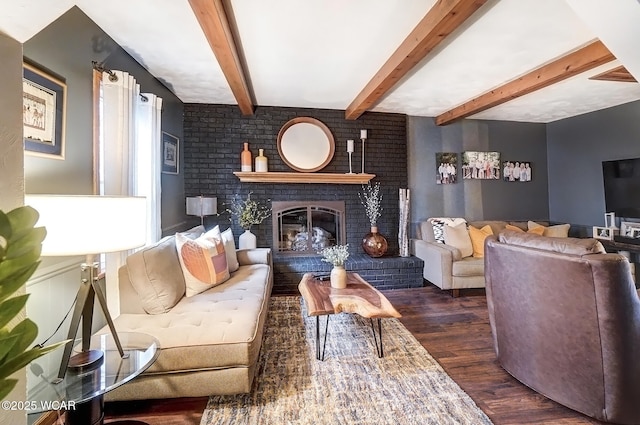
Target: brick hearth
column 383, row 273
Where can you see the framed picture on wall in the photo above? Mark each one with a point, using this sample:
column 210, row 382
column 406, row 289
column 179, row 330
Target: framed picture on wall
column 516, row 171
column 170, row 153
column 44, row 99
column 480, row 165
column 446, row 167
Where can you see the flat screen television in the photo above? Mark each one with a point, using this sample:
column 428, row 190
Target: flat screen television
column 622, row 187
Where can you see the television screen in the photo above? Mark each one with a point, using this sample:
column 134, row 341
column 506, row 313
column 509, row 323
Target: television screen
column 622, row 187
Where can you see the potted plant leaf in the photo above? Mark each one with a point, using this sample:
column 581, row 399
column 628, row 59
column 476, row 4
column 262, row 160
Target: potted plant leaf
column 20, row 246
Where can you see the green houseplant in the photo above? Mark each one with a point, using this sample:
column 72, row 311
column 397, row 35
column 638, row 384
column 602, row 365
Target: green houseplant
column 20, row 246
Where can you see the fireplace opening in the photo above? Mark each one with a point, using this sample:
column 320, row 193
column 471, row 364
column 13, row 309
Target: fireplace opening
column 302, row 227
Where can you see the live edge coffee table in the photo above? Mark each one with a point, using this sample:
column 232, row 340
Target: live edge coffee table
column 358, row 297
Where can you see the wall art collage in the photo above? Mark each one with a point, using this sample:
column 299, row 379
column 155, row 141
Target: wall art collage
column 479, row 165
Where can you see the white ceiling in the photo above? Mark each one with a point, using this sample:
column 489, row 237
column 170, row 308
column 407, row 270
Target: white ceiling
column 321, row 53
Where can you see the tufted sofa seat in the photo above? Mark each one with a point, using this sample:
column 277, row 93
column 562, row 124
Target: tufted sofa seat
column 210, row 342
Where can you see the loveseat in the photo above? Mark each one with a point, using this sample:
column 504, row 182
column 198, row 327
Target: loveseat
column 209, row 342
column 447, row 265
column 565, row 320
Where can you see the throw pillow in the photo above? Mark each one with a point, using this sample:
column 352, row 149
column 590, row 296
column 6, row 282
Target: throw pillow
column 535, row 230
column 203, row 262
column 557, row 231
column 458, row 237
column 229, row 246
column 438, row 230
column 477, row 239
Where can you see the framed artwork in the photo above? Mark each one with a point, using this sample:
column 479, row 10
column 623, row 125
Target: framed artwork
column 446, row 167
column 516, row 171
column 480, row 165
column 44, row 100
column 627, row 228
column 170, row 153
column 602, row 233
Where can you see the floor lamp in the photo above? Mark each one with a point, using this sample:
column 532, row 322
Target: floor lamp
column 89, row 225
column 202, row 206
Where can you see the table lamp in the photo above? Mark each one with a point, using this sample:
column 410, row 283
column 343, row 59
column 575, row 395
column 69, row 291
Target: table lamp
column 89, row 225
column 202, row 206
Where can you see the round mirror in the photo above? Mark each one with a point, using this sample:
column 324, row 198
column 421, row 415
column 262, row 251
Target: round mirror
column 305, row 144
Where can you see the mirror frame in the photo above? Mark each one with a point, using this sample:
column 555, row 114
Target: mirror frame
column 325, row 130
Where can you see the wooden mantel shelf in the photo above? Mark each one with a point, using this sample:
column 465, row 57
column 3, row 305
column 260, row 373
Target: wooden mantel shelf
column 280, row 177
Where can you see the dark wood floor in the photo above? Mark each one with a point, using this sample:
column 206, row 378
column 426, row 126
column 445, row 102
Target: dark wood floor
column 457, row 334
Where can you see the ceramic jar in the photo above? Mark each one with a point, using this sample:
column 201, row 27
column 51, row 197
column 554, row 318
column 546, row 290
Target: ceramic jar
column 245, row 159
column 338, row 277
column 261, row 163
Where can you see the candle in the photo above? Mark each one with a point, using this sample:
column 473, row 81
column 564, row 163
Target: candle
column 363, row 134
column 350, row 146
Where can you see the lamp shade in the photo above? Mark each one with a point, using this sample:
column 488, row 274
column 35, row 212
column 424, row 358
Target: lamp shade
column 202, row 205
column 80, row 225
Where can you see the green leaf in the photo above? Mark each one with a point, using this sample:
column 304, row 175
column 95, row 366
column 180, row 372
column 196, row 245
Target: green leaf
column 5, row 226
column 10, row 284
column 7, row 342
column 16, row 265
column 16, row 363
column 30, row 240
column 21, row 219
column 10, row 308
column 6, row 385
column 26, row 331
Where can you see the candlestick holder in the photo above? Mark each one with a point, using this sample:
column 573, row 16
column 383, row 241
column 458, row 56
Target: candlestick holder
column 350, row 169
column 363, row 139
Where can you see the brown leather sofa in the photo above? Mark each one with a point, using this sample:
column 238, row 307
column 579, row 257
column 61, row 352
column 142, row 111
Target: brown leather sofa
column 565, row 319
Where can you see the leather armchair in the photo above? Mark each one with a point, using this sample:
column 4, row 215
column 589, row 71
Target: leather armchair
column 565, row 319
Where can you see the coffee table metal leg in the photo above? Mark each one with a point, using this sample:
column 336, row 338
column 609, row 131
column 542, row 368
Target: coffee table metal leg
column 375, row 337
column 320, row 354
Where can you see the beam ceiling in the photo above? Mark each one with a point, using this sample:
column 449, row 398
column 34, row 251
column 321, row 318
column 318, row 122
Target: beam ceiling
column 588, row 57
column 441, row 20
column 214, row 20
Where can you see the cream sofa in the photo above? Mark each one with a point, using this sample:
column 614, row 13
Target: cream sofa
column 209, row 342
column 444, row 265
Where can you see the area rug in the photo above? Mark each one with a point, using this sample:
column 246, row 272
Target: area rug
column 351, row 386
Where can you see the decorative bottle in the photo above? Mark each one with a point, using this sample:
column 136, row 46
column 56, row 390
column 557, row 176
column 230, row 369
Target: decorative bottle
column 245, row 159
column 261, row 163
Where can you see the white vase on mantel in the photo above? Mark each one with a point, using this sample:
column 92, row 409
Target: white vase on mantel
column 247, row 240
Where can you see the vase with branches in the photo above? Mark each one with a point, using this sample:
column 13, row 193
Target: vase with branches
column 247, row 212
column 373, row 243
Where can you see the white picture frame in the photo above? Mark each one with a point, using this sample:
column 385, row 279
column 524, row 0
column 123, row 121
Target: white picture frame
column 627, row 228
column 603, row 233
column 610, row 220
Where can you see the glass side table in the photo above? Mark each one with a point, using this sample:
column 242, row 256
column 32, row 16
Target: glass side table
column 81, row 394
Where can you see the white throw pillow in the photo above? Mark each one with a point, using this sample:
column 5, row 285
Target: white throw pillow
column 203, row 262
column 229, row 246
column 458, row 237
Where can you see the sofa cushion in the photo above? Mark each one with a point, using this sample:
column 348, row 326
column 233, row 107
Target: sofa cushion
column 218, row 328
column 458, row 237
column 496, row 225
column 557, row 231
column 477, row 239
column 572, row 246
column 155, row 274
column 535, row 230
column 467, row 267
column 203, row 262
column 229, row 246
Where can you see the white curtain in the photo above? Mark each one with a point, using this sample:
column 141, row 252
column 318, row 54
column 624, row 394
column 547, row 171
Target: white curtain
column 130, row 159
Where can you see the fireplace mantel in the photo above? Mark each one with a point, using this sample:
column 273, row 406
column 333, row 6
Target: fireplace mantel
column 282, row 177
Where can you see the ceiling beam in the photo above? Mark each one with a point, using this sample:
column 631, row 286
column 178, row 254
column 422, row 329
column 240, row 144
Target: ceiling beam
column 568, row 65
column 620, row 74
column 441, row 20
column 214, row 20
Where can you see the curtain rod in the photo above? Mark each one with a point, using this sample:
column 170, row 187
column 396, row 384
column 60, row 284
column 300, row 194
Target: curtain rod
column 112, row 76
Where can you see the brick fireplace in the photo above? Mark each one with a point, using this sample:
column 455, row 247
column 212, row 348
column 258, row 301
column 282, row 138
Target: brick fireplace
column 214, row 137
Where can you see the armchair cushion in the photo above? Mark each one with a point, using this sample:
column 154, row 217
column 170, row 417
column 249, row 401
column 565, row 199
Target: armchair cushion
column 572, row 246
column 477, row 239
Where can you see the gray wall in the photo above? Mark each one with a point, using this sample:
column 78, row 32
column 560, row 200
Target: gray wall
column 66, row 47
column 476, row 199
column 11, row 170
column 576, row 148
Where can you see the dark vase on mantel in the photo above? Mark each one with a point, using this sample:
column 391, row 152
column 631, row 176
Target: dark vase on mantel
column 374, row 244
